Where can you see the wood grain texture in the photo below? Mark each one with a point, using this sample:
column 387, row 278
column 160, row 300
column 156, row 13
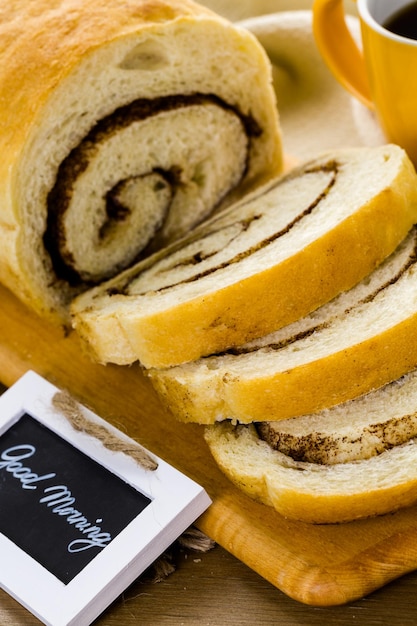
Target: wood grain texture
column 315, row 565
column 215, row 589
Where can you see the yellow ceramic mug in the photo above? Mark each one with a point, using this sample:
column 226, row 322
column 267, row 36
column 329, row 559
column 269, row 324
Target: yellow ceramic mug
column 384, row 75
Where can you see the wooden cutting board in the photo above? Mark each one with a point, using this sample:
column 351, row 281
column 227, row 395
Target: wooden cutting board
column 320, row 565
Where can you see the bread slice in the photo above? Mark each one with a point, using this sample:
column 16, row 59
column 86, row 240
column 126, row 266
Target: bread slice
column 312, row 492
column 353, row 431
column 358, row 342
column 122, row 125
column 257, row 266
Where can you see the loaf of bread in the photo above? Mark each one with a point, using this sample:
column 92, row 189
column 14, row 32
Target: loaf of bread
column 361, row 340
column 255, row 267
column 122, row 126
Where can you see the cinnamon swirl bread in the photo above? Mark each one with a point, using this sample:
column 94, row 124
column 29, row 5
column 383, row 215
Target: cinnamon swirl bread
column 318, row 493
column 361, row 340
column 123, row 125
column 259, row 265
column 354, row 460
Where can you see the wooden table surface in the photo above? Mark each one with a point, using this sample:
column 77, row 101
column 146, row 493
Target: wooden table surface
column 214, row 588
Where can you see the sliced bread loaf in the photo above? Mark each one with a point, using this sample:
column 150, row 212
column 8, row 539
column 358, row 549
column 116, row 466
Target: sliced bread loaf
column 361, row 340
column 257, row 266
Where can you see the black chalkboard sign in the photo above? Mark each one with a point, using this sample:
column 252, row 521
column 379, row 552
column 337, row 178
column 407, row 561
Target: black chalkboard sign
column 57, row 504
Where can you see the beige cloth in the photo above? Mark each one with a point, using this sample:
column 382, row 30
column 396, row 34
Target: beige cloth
column 316, row 113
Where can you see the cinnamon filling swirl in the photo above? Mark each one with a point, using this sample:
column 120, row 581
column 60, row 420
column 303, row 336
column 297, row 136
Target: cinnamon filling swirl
column 338, row 442
column 141, row 178
column 227, row 240
column 342, row 305
column 352, row 431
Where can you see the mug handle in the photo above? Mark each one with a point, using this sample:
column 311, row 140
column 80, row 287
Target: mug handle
column 339, row 50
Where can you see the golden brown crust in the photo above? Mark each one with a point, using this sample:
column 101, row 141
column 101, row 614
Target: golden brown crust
column 47, row 39
column 332, row 380
column 308, row 388
column 313, row 493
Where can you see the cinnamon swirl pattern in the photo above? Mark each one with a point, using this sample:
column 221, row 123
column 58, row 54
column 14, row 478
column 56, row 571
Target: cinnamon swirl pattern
column 257, row 266
column 342, row 350
column 153, row 193
column 123, row 127
column 312, row 492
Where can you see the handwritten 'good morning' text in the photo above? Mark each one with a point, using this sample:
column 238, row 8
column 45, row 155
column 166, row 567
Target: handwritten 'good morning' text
column 58, row 498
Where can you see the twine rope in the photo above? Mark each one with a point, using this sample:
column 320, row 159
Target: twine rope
column 63, row 402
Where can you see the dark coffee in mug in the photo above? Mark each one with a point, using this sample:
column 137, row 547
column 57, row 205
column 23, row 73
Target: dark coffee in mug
column 404, row 21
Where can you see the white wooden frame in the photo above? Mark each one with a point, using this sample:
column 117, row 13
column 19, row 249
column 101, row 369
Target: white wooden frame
column 176, row 502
